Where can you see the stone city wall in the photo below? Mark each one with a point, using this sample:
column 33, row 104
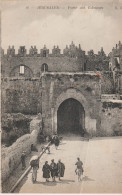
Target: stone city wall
column 21, row 95
column 10, row 66
column 111, row 120
column 107, row 83
column 11, row 156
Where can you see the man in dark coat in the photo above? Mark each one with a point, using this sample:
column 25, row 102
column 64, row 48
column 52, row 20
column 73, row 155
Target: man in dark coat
column 60, row 169
column 23, row 156
column 53, row 169
column 56, row 141
column 46, row 171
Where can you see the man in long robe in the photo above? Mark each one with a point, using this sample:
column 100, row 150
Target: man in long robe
column 46, row 171
column 53, row 169
column 60, row 169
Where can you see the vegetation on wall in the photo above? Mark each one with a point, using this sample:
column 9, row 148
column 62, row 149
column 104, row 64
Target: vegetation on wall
column 13, row 127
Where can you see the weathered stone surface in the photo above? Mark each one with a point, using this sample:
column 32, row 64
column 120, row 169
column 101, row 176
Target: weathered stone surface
column 11, row 156
column 71, row 86
column 111, row 120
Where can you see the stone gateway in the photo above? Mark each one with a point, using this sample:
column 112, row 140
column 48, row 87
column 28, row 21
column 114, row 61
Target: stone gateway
column 73, row 91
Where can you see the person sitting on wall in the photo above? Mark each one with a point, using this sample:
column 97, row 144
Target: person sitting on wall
column 33, row 148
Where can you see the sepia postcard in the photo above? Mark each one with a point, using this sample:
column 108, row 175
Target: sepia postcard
column 61, row 96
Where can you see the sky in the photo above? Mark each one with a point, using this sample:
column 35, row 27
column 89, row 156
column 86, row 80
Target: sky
column 29, row 22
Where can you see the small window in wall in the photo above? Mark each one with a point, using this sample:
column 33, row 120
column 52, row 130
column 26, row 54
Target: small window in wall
column 22, row 69
column 44, row 67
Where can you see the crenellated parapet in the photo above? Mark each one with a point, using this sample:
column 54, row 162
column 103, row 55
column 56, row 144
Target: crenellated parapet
column 44, row 52
column 22, row 51
column 73, row 51
column 116, row 57
column 33, row 51
column 117, row 50
column 11, row 51
column 56, row 51
column 91, row 54
column 101, row 52
column 101, row 56
column 97, row 61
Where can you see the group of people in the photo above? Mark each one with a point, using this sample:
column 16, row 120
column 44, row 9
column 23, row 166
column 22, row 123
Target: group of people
column 53, row 170
column 56, row 170
column 55, row 140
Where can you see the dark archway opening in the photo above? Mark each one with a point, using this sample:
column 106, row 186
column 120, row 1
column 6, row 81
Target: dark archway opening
column 71, row 118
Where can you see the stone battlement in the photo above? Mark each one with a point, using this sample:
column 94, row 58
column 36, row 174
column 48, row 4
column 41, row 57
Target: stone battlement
column 72, row 51
column 117, row 49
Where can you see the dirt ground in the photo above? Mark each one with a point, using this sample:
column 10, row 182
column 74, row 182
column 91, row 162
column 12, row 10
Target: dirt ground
column 102, row 160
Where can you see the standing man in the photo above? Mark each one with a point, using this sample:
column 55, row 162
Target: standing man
column 53, row 169
column 61, row 169
column 35, row 166
column 56, row 141
column 79, row 169
column 46, row 171
column 23, row 156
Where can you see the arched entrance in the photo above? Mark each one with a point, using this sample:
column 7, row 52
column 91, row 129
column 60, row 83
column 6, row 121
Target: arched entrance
column 71, row 117
column 89, row 123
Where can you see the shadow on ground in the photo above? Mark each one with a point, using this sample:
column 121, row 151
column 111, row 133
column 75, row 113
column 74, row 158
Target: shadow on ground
column 50, row 183
column 86, row 178
column 71, row 137
column 104, row 138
